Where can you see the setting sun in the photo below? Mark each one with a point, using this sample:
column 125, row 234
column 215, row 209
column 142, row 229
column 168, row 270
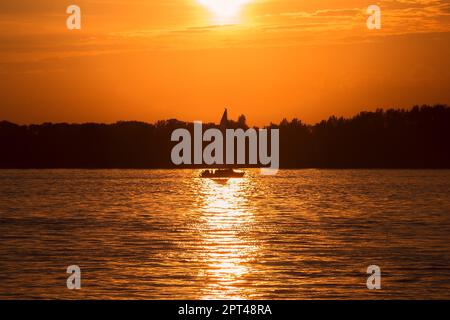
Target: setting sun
column 225, row 11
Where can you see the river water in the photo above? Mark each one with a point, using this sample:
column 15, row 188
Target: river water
column 167, row 234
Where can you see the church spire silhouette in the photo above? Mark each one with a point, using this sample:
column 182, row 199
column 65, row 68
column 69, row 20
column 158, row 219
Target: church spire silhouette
column 224, row 121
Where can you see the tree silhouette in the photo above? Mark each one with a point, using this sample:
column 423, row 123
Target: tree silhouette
column 415, row 138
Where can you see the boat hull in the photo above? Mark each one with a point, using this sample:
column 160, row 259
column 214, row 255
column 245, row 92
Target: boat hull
column 222, row 175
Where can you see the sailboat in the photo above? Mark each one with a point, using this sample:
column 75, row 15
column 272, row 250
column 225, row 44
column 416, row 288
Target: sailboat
column 225, row 173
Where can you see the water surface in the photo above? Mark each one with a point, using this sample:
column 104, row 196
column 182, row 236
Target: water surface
column 167, row 234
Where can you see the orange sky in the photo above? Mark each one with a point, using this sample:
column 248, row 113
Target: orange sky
column 149, row 60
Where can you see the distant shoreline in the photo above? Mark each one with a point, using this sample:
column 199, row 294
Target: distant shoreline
column 418, row 138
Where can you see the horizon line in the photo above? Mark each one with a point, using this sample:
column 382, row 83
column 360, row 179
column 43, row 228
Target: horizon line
column 445, row 105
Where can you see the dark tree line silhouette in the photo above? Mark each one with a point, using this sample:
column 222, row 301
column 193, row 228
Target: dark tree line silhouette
column 416, row 138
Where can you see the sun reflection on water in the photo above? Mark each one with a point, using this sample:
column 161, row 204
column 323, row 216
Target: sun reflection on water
column 227, row 251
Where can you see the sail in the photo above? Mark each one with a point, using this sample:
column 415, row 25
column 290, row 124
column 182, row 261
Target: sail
column 223, row 128
column 224, row 121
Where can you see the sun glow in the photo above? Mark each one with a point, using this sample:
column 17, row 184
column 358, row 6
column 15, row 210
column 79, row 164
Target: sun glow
column 225, row 11
column 226, row 252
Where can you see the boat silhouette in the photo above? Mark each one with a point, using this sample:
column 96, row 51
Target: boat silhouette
column 222, row 174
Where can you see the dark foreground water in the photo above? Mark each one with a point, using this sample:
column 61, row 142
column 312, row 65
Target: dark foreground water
column 303, row 234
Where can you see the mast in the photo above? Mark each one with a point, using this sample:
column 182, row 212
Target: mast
column 223, row 129
column 224, row 122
